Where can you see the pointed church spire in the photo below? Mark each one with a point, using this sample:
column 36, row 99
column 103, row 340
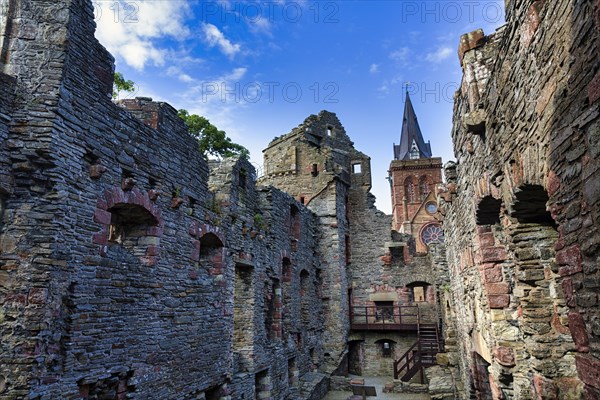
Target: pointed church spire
column 411, row 145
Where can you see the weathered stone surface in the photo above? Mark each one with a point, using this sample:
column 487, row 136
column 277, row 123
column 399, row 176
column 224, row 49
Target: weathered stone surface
column 535, row 265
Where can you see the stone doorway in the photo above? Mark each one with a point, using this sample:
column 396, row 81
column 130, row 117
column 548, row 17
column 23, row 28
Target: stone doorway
column 356, row 357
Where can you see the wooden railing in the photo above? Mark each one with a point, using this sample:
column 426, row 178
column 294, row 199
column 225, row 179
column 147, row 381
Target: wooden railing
column 421, row 354
column 406, row 317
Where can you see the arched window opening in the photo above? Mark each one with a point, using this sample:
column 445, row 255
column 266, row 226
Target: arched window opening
column 129, row 223
column 425, row 183
column 488, row 211
column 530, row 206
column 409, row 190
column 211, row 253
column 386, row 347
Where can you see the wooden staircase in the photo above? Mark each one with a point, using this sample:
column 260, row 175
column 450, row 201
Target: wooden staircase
column 420, row 355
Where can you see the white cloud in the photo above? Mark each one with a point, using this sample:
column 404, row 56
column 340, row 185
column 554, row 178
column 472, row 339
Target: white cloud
column 132, row 30
column 442, row 53
column 214, row 37
column 400, row 55
column 235, row 75
column 374, row 68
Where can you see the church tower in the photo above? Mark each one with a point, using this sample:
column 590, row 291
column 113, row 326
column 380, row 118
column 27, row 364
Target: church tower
column 413, row 176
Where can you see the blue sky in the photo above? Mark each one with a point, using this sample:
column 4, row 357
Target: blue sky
column 256, row 69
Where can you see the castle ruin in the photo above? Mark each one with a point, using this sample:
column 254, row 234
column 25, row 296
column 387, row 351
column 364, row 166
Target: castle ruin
column 133, row 268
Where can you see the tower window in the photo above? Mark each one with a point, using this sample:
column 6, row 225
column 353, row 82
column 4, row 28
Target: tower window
column 329, row 130
column 356, row 168
column 414, row 151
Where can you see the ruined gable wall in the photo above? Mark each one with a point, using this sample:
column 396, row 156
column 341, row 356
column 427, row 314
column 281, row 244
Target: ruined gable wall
column 319, row 178
column 525, row 123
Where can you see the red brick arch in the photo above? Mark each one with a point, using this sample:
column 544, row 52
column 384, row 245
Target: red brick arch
column 115, row 198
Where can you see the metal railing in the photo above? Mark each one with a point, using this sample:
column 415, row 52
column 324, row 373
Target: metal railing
column 385, row 317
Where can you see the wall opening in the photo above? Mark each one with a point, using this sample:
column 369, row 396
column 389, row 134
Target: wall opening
column 356, row 356
column 530, row 206
column 384, row 311
column 273, row 310
column 356, row 168
column 488, row 211
column 421, row 292
column 262, row 385
column 243, row 316
column 386, row 347
column 347, row 249
column 211, row 253
column 305, row 296
column 128, row 227
column 293, row 372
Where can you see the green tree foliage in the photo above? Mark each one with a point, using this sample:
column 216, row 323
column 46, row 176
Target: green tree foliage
column 120, row 84
column 212, row 141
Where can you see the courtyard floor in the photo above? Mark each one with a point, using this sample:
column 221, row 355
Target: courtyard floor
column 379, row 383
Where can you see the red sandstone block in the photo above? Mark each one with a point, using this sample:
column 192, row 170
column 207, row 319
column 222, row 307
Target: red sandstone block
column 154, row 231
column 531, row 23
column 497, row 288
column 101, row 204
column 153, row 251
column 486, row 239
column 570, row 260
column 578, row 331
column 553, row 183
column 496, row 391
column 493, row 274
column 544, row 388
column 100, row 238
column 567, row 285
column 491, row 254
column 505, row 356
column 498, row 301
column 102, row 217
column 195, row 256
column 149, row 260
column 588, row 369
column 557, row 325
column 468, row 42
column 593, row 88
column 96, row 171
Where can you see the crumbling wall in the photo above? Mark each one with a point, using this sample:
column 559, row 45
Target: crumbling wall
column 312, row 164
column 119, row 265
column 520, row 218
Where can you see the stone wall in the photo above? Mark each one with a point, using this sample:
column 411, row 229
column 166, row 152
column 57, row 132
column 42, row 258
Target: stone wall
column 312, row 163
column 128, row 272
column 521, row 222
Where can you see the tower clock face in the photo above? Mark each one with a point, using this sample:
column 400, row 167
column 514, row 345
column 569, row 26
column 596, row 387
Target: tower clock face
column 431, row 207
column 432, row 233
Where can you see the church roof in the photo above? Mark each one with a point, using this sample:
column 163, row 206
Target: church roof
column 411, row 139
